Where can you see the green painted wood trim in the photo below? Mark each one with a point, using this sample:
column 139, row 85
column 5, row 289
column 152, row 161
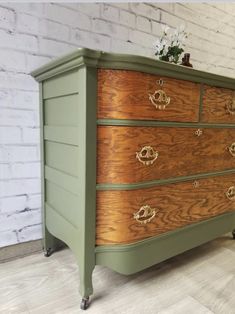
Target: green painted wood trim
column 85, row 242
column 131, row 258
column 126, row 122
column 149, row 184
column 66, row 182
column 61, row 134
column 101, row 59
column 48, row 241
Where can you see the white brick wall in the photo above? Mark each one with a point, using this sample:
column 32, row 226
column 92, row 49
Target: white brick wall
column 31, row 34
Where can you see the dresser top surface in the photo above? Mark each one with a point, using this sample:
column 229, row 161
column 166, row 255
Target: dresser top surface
column 101, row 59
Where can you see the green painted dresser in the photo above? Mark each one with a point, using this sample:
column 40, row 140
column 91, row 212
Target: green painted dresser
column 138, row 159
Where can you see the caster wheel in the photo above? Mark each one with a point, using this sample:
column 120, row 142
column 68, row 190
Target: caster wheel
column 84, row 303
column 233, row 234
column 48, row 252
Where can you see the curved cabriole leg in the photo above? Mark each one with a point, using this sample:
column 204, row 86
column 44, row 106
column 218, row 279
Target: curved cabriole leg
column 233, row 234
column 86, row 287
column 50, row 243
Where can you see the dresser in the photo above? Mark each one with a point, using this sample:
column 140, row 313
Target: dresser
column 138, row 159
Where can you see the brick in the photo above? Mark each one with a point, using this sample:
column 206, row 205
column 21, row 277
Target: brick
column 143, row 24
column 157, row 29
column 12, row 60
column 54, row 48
column 5, row 98
column 10, row 135
column 34, row 201
column 168, row 7
column 27, row 23
column 19, row 153
column 127, row 47
column 30, row 233
column 26, row 170
column 17, row 221
column 7, row 19
column 120, row 5
column 54, row 30
column 13, row 204
column 91, row 9
column 127, row 18
column 145, row 10
column 110, row 13
column 108, row 28
column 8, row 238
column 34, row 61
column 5, row 172
column 24, row 99
column 31, row 8
column 15, row 117
column 90, row 40
column 68, row 16
column 17, row 81
column 31, row 135
column 142, row 38
column 171, row 20
column 19, row 187
column 16, row 41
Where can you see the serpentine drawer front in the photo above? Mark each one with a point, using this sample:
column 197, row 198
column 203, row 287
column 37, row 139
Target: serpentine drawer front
column 137, row 154
column 218, row 105
column 138, row 160
column 128, row 216
column 136, row 95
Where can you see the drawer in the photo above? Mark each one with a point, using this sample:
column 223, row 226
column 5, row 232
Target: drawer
column 135, row 95
column 218, row 105
column 138, row 154
column 128, row 216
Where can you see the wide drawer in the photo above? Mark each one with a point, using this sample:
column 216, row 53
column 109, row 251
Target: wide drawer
column 218, row 105
column 137, row 154
column 134, row 95
column 128, row 216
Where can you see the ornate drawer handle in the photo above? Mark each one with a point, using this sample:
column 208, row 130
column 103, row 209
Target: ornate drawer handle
column 231, row 107
column 159, row 98
column 231, row 149
column 231, row 193
column 147, row 155
column 145, row 214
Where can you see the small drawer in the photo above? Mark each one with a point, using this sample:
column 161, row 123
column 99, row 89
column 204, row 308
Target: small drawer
column 129, row 216
column 135, row 95
column 137, row 154
column 218, row 105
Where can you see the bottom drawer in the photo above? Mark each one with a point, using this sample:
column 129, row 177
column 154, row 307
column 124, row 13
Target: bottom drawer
column 129, row 216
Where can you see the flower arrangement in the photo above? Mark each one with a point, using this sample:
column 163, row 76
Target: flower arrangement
column 170, row 45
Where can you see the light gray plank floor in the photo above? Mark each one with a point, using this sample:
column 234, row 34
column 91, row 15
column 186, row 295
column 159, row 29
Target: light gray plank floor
column 200, row 281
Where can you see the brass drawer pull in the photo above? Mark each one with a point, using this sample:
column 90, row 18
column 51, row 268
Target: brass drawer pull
column 147, row 155
column 159, row 98
column 231, row 107
column 145, row 214
column 231, row 149
column 231, row 193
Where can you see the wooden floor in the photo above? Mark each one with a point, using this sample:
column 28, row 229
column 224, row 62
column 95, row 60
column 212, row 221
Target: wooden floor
column 200, row 281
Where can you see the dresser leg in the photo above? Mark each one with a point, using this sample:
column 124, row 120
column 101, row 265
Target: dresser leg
column 86, row 287
column 50, row 243
column 233, row 234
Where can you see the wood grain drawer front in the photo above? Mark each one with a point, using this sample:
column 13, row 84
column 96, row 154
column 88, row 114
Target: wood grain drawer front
column 179, row 152
column 126, row 95
column 218, row 105
column 168, row 207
